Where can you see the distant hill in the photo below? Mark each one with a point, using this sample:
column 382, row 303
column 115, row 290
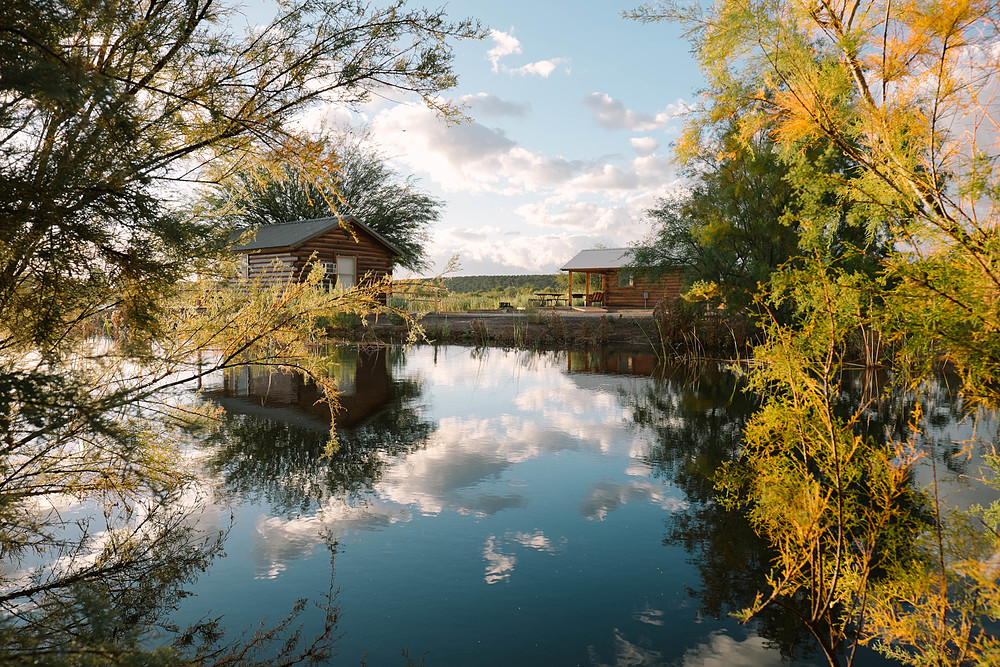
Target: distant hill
column 538, row 282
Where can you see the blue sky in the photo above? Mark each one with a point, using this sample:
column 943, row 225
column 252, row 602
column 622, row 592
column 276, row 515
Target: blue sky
column 573, row 113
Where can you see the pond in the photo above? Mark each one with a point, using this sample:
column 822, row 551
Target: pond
column 494, row 507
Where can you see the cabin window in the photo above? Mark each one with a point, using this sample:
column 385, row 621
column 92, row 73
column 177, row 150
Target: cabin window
column 626, row 279
column 346, row 272
column 245, row 265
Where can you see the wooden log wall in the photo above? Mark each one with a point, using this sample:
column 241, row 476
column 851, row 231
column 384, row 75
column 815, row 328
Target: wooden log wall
column 278, row 266
column 371, row 257
column 667, row 286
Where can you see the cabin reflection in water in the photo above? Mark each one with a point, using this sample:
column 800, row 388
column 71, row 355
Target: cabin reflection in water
column 617, row 362
column 363, row 383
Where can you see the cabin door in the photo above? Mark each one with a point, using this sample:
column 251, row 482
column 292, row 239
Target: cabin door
column 346, row 272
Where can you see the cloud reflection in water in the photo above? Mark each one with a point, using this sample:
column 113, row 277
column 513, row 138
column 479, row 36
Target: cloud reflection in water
column 278, row 541
column 606, row 497
column 500, row 565
column 464, row 456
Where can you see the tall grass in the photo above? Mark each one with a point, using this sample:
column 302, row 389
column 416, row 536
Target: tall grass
column 460, row 301
column 692, row 333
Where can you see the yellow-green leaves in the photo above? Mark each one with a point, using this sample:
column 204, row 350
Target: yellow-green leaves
column 904, row 92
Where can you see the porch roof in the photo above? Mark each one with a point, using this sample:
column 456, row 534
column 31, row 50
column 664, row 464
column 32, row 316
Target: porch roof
column 596, row 259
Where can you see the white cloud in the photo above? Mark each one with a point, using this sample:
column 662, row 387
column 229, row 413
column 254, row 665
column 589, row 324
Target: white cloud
column 540, row 235
column 649, row 616
column 606, row 497
column 578, row 217
column 462, row 452
column 543, row 234
column 326, row 116
column 536, row 540
column 542, row 68
column 720, row 650
column 474, row 158
column 506, row 45
column 491, row 105
column 565, row 204
column 458, row 157
column 278, row 541
column 529, row 253
column 655, row 172
column 627, row 654
column 605, row 177
column 458, row 469
column 500, row 565
column 613, row 114
column 644, row 145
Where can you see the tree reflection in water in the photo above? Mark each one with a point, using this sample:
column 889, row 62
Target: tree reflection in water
column 272, row 441
column 698, row 416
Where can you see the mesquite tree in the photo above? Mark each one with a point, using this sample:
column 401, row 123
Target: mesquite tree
column 906, row 92
column 113, row 295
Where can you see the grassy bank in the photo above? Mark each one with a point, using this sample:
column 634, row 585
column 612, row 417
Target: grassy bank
column 668, row 336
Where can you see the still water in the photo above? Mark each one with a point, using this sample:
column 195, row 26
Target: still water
column 492, row 507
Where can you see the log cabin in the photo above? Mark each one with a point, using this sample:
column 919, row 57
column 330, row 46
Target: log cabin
column 613, row 282
column 351, row 252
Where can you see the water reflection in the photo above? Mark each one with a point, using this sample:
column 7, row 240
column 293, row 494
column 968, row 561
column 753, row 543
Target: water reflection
column 500, row 565
column 614, row 362
column 271, row 448
column 565, row 496
column 698, row 416
column 363, row 388
column 678, row 427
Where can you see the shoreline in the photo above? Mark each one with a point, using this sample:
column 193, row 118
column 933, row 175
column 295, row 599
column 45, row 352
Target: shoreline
column 553, row 328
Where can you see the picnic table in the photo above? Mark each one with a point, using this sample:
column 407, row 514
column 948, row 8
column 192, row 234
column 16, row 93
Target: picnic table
column 547, row 299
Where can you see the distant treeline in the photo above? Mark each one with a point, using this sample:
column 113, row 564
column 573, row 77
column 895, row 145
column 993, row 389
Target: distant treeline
column 471, row 284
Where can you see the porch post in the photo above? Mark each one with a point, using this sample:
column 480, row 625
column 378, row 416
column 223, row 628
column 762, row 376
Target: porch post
column 586, row 292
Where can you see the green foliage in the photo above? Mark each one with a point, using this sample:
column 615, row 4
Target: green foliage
column 480, row 334
column 286, row 463
column 469, row 293
column 752, row 208
column 505, row 285
column 730, row 227
column 110, row 105
column 694, row 330
column 876, row 108
column 834, row 503
column 88, row 437
column 361, row 183
column 110, row 110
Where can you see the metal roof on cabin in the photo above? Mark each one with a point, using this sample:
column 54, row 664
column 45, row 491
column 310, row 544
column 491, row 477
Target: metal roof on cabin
column 600, row 258
column 294, row 234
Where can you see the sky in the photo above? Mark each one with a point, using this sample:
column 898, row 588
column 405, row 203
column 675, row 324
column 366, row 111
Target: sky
column 573, row 112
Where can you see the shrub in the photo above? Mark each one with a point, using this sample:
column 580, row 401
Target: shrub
column 695, row 327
